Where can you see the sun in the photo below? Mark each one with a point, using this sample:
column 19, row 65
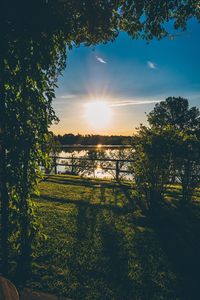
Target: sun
column 98, row 114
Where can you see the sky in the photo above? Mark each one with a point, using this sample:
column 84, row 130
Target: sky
column 129, row 77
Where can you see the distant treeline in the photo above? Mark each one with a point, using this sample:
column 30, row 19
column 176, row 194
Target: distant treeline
column 90, row 139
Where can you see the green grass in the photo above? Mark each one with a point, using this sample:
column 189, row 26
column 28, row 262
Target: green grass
column 98, row 247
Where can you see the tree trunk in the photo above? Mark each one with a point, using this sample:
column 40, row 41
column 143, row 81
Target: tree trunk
column 186, row 185
column 186, row 194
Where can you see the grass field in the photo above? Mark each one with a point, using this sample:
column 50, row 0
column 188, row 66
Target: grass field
column 99, row 247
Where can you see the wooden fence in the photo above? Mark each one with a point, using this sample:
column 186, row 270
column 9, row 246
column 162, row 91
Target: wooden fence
column 63, row 161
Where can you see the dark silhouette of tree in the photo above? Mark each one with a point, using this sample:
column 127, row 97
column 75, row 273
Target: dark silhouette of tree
column 175, row 116
column 169, row 150
column 150, row 167
column 186, row 162
column 92, row 139
column 175, row 112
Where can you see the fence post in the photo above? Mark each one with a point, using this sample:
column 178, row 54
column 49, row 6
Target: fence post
column 117, row 170
column 72, row 165
column 55, row 165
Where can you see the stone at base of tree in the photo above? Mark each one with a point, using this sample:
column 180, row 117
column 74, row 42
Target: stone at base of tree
column 7, row 290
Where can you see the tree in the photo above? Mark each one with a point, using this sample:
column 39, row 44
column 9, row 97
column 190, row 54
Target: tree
column 185, row 158
column 34, row 36
column 29, row 83
column 175, row 112
column 150, row 167
column 174, row 118
column 52, row 149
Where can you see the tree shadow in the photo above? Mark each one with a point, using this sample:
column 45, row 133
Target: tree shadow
column 86, row 203
column 113, row 254
column 102, row 191
column 114, row 196
column 112, row 258
column 178, row 230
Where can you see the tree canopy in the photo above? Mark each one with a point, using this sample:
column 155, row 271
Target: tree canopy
column 175, row 112
column 94, row 21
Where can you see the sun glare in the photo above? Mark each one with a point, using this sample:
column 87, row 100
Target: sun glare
column 98, row 114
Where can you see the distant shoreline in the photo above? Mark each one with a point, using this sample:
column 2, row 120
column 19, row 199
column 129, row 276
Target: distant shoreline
column 97, row 146
column 71, row 140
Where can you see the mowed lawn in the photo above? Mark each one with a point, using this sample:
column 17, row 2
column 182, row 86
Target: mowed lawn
column 99, row 247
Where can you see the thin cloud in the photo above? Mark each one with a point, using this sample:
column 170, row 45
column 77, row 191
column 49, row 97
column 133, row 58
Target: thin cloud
column 101, row 60
column 63, row 99
column 67, row 96
column 151, row 64
column 133, row 102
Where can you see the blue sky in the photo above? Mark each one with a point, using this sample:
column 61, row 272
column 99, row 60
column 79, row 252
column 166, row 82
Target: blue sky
column 130, row 76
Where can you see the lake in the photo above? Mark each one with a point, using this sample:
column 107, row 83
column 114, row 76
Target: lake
column 98, row 161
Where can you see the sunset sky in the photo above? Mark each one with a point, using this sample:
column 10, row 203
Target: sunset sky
column 128, row 77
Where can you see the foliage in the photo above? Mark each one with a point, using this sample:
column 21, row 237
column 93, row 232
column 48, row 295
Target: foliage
column 92, row 139
column 53, row 145
column 175, row 112
column 51, row 150
column 94, row 22
column 168, row 151
column 183, row 126
column 150, row 166
column 185, row 156
column 29, row 84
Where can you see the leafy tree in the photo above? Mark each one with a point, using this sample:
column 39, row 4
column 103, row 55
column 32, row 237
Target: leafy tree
column 185, row 159
column 175, row 112
column 28, row 85
column 189, row 171
column 150, row 167
column 181, row 124
column 52, row 150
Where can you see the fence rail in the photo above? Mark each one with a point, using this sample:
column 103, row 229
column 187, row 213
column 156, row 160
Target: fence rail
column 98, row 146
column 116, row 168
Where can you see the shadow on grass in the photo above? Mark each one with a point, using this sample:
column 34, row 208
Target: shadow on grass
column 99, row 264
column 110, row 257
column 99, row 250
column 87, row 203
column 114, row 259
column 178, row 231
column 157, row 262
column 86, row 182
column 111, row 194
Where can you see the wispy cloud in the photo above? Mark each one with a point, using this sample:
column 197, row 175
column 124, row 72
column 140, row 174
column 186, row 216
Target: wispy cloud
column 151, row 64
column 64, row 99
column 67, row 96
column 101, row 60
column 133, row 102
